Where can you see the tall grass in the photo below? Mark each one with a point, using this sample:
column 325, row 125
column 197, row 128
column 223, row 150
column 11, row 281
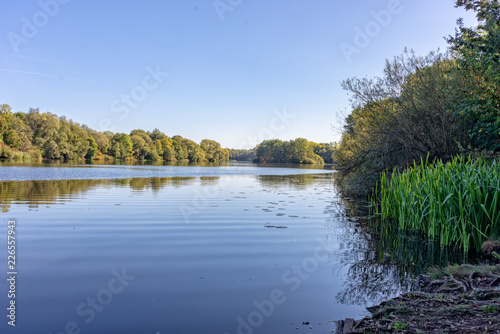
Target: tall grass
column 457, row 202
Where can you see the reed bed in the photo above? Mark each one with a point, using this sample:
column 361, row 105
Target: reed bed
column 457, row 202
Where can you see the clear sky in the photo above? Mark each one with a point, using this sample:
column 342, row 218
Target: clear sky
column 236, row 71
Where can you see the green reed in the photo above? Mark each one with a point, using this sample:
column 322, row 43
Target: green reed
column 457, row 202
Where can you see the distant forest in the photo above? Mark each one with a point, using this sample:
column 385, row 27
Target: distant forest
column 36, row 135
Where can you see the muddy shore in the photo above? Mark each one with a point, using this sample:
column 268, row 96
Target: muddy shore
column 457, row 299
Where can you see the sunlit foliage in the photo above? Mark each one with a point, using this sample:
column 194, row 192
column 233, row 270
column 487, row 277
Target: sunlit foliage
column 45, row 135
column 299, row 151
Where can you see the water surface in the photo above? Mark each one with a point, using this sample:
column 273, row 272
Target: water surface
column 15, row 172
column 269, row 250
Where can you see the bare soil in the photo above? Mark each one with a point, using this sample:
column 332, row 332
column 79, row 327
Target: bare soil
column 460, row 299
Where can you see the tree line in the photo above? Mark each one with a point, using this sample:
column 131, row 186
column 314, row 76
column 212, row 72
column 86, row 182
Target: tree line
column 299, row 151
column 425, row 108
column 45, row 135
column 35, row 135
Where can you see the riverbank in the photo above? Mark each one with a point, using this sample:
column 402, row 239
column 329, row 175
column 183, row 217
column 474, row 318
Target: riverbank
column 456, row 299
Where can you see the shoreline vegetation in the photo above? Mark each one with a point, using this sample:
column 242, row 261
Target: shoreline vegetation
column 35, row 135
column 423, row 140
column 423, row 143
column 457, row 202
column 425, row 108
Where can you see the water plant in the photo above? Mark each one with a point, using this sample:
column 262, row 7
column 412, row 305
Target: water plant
column 457, row 202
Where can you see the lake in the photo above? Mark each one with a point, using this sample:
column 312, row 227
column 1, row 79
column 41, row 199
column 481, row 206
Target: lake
column 186, row 249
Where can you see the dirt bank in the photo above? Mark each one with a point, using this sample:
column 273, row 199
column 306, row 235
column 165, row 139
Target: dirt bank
column 458, row 299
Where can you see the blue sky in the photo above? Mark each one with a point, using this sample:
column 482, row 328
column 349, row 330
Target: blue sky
column 236, row 71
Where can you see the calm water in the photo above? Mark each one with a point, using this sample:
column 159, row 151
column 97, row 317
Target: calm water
column 153, row 249
column 96, row 172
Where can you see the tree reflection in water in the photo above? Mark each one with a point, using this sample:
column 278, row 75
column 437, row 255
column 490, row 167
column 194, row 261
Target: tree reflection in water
column 37, row 193
column 383, row 263
column 375, row 264
column 369, row 278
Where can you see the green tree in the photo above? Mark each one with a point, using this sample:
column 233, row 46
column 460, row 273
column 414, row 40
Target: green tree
column 93, row 148
column 13, row 130
column 179, row 147
column 241, row 154
column 11, row 138
column 157, row 135
column 299, row 151
column 302, row 151
column 407, row 115
column 139, row 146
column 102, row 140
column 325, row 151
column 51, row 150
column 195, row 153
column 141, row 133
column 478, row 53
column 167, row 151
column 72, row 139
column 169, row 154
column 122, row 147
column 213, row 151
column 270, row 151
